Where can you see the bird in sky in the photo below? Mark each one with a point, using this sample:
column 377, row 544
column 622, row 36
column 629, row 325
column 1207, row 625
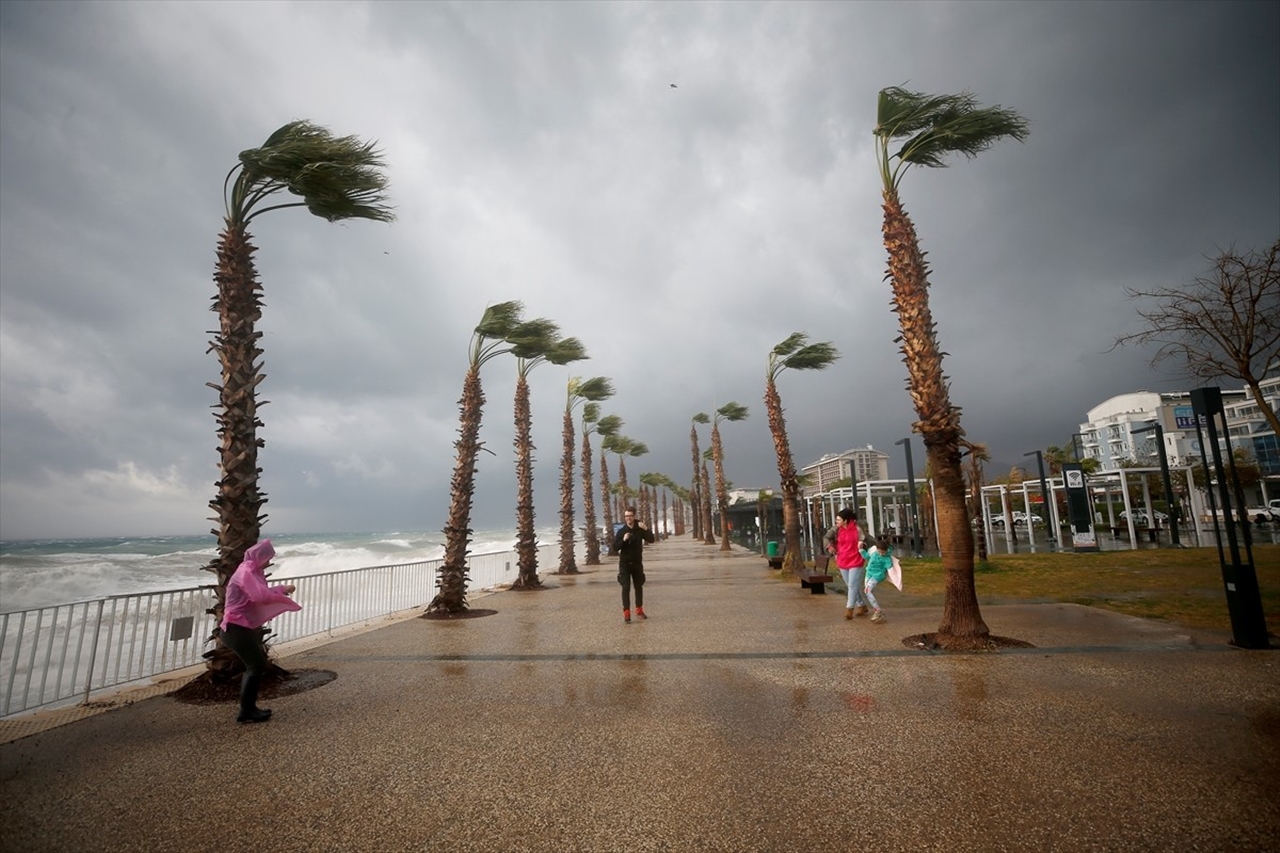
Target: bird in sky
column 674, row 86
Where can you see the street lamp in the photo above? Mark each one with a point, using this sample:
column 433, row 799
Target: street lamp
column 1174, row 511
column 911, row 485
column 1044, row 496
column 1075, row 445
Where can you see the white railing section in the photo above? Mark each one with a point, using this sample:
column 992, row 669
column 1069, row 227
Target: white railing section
column 62, row 652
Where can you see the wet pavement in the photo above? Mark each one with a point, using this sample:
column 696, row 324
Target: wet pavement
column 744, row 715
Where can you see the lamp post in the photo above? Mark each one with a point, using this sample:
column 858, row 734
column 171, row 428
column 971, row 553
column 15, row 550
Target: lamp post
column 1045, row 497
column 1075, row 445
column 911, row 485
column 1174, row 510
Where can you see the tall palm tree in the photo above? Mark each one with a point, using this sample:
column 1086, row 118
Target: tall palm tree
column 695, row 490
column 794, row 353
column 583, row 391
column 625, row 447
column 604, row 426
column 607, row 445
column 499, row 326
column 542, row 344
column 932, row 127
column 978, row 454
column 652, row 481
column 730, row 412
column 335, row 178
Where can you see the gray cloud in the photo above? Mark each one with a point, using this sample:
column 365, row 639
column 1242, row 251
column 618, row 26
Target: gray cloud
column 538, row 152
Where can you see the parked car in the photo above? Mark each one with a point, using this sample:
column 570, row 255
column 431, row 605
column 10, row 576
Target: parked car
column 1141, row 519
column 1019, row 519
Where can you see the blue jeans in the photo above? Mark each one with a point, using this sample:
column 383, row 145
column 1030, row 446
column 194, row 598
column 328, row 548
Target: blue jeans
column 869, row 591
column 853, row 582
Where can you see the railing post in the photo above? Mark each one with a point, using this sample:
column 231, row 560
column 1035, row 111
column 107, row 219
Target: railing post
column 93, row 651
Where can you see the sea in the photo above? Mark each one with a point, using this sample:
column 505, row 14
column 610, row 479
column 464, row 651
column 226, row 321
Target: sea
column 43, row 572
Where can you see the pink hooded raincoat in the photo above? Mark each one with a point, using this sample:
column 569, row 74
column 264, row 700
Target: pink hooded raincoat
column 250, row 602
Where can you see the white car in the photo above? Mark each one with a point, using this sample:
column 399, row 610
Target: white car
column 1019, row 519
column 1140, row 518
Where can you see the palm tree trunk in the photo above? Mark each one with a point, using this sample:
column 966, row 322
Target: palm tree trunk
column 722, row 493
column 938, row 424
column 606, row 500
column 695, row 491
column 622, row 486
column 452, row 574
column 589, row 503
column 708, row 530
column 568, row 565
column 238, row 503
column 526, row 542
column 790, row 484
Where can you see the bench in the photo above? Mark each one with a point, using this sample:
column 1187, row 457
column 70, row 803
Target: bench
column 816, row 579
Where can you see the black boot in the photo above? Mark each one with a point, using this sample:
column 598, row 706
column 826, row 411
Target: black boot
column 249, row 710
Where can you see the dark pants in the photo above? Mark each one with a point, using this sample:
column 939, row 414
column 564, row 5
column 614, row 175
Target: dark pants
column 247, row 644
column 629, row 573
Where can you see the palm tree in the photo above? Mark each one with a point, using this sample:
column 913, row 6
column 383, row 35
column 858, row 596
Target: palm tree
column 542, row 343
column 335, row 178
column 653, row 516
column 793, row 354
column 625, row 447
column 977, row 455
column 934, row 126
column 607, row 445
column 730, row 412
column 578, row 391
column 695, row 491
column 499, row 326
column 604, row 426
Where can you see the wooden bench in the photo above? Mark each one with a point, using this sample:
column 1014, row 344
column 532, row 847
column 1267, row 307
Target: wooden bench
column 816, row 579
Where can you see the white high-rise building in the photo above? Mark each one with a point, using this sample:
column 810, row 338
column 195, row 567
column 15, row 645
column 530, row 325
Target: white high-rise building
column 860, row 463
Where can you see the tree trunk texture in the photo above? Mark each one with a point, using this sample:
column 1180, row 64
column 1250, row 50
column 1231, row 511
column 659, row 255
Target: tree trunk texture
column 452, row 574
column 237, row 505
column 938, row 424
column 708, row 529
column 526, row 541
column 694, row 490
column 722, row 492
column 589, row 503
column 568, row 564
column 791, row 560
column 606, row 500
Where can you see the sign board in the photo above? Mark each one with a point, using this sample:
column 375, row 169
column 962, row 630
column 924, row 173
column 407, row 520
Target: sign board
column 1077, row 488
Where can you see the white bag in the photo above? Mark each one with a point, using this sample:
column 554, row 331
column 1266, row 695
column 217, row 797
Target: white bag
column 895, row 574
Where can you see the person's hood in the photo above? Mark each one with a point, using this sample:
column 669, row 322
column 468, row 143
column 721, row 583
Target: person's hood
column 259, row 555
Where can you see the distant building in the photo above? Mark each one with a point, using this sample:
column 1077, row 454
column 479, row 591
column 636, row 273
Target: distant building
column 1108, row 434
column 859, row 463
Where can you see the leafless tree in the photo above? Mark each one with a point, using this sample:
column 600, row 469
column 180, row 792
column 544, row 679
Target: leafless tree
column 1225, row 323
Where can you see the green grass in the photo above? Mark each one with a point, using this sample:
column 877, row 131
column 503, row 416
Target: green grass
column 1184, row 586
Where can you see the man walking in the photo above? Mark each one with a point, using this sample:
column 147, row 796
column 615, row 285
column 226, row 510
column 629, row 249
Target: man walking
column 628, row 544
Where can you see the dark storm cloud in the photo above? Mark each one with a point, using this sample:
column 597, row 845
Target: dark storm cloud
column 538, row 152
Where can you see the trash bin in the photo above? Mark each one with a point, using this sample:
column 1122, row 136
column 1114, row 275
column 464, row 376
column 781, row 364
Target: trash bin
column 772, row 548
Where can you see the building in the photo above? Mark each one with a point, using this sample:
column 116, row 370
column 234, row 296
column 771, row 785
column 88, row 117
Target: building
column 1114, row 433
column 859, row 463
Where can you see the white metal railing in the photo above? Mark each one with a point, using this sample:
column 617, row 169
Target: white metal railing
column 57, row 653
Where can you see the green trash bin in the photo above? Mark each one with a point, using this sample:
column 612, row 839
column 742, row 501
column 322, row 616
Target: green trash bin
column 772, row 548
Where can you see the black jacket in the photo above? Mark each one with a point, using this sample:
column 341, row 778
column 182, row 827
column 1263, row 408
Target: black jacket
column 631, row 551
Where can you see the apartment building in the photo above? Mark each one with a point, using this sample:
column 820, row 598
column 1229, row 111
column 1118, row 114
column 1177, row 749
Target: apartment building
column 1109, row 433
column 860, row 463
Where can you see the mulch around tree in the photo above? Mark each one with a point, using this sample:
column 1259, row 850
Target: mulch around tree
column 990, row 643
column 201, row 691
column 444, row 616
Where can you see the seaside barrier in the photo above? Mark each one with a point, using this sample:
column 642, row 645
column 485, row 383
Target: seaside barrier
column 64, row 653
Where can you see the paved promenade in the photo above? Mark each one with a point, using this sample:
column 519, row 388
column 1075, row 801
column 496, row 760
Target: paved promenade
column 744, row 715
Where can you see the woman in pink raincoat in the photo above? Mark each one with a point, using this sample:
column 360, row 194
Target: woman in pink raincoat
column 250, row 604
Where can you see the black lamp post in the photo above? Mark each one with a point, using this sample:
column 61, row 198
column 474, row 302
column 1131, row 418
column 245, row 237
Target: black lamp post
column 1075, row 445
column 911, row 485
column 1045, row 497
column 1174, row 510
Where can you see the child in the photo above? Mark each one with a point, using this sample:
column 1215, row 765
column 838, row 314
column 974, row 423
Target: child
column 879, row 560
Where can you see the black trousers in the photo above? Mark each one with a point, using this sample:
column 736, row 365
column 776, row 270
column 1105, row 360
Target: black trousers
column 247, row 644
column 628, row 574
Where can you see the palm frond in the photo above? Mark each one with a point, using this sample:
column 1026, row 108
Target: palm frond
column 701, row 418
column 731, row 412
column 813, row 357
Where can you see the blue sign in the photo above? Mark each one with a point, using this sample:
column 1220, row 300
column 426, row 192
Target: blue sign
column 1184, row 417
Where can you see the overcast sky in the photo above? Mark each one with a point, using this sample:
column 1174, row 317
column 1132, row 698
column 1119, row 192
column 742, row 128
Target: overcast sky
column 539, row 152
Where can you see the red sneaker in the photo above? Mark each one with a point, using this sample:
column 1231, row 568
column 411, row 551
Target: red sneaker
column 626, row 615
column 640, row 613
